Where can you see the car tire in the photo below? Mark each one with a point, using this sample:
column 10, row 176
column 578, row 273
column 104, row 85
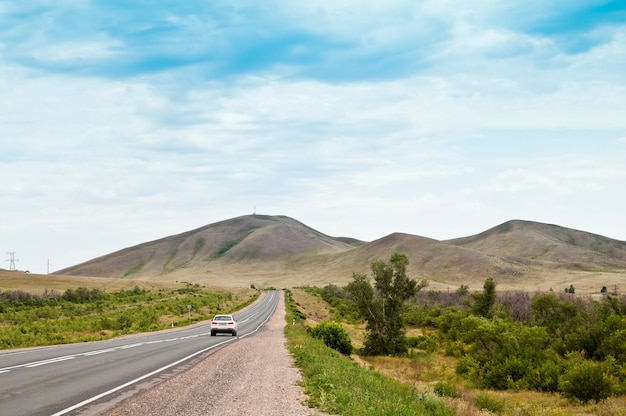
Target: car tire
column 234, row 333
column 212, row 333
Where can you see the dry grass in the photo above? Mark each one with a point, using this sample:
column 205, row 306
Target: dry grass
column 37, row 283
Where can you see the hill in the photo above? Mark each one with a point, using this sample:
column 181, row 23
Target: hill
column 548, row 245
column 218, row 254
column 282, row 252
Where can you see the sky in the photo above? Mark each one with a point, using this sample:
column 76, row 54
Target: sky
column 122, row 122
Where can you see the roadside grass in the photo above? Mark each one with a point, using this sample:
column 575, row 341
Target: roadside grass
column 336, row 384
column 28, row 320
column 419, row 371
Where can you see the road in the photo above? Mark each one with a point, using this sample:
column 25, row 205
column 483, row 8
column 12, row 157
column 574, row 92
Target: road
column 59, row 380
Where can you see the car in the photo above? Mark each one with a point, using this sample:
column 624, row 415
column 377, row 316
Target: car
column 223, row 324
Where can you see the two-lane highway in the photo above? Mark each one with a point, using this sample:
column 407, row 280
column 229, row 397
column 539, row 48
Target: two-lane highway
column 61, row 379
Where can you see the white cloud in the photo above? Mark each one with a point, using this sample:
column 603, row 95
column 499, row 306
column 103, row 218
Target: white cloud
column 435, row 118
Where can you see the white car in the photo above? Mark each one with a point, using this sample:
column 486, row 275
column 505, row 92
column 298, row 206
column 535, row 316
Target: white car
column 223, row 324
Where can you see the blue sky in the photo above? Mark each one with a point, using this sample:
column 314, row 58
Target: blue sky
column 122, row 122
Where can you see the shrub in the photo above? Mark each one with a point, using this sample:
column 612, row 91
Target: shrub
column 82, row 295
column 504, row 373
column 545, row 377
column 468, row 366
column 334, row 336
column 445, row 389
column 489, row 402
column 585, row 381
column 426, row 343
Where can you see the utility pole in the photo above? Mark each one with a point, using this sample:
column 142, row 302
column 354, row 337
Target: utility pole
column 12, row 260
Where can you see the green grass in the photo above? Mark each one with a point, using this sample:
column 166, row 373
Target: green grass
column 134, row 270
column 336, row 384
column 32, row 320
column 489, row 402
column 224, row 248
column 199, row 244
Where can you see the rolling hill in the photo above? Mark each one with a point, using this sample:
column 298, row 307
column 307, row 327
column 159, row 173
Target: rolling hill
column 282, row 252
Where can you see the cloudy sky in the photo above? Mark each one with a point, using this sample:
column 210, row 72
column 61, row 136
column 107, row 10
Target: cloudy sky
column 122, row 121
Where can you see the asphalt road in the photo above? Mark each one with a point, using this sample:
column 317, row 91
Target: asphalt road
column 60, row 380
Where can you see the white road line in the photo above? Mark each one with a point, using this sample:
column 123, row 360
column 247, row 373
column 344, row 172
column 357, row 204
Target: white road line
column 52, row 361
column 138, row 379
column 96, row 352
column 123, row 347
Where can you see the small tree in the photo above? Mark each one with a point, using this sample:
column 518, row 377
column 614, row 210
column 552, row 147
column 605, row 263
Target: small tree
column 462, row 290
column 483, row 302
column 382, row 305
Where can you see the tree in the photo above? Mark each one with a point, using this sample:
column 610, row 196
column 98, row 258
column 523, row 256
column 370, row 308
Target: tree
column 462, row 290
column 484, row 301
column 382, row 305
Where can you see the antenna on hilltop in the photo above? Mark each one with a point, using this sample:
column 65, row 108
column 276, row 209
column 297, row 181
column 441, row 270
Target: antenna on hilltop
column 254, row 212
column 12, row 260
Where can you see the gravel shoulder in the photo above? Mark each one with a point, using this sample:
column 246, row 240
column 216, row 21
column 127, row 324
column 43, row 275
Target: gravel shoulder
column 252, row 376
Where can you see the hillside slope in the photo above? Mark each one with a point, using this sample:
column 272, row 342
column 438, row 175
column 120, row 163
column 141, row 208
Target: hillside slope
column 548, row 245
column 247, row 240
column 279, row 251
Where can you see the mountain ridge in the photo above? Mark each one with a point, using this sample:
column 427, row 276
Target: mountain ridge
column 279, row 250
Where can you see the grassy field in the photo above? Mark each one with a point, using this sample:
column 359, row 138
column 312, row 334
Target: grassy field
column 428, row 374
column 55, row 316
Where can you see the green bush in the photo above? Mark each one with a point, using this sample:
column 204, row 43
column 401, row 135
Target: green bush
column 509, row 372
column 428, row 343
column 334, row 336
column 585, row 381
column 545, row 377
column 445, row 389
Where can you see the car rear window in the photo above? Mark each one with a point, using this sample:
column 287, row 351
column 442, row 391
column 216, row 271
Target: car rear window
column 223, row 318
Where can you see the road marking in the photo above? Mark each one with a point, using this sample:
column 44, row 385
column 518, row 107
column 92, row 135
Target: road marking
column 137, row 380
column 95, row 352
column 51, row 361
column 124, row 347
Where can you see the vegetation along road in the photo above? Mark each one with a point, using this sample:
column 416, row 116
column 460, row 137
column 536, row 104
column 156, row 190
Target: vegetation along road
column 61, row 379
